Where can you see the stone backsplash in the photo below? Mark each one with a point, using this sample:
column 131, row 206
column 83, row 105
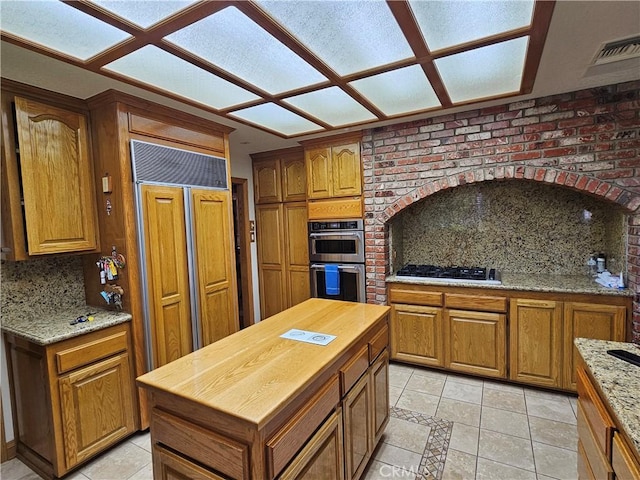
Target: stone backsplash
column 514, row 226
column 51, row 283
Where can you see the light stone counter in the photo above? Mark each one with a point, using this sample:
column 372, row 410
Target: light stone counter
column 617, row 379
column 42, row 326
column 529, row 282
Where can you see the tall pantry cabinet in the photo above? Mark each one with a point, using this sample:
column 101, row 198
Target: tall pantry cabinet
column 117, row 119
column 281, row 224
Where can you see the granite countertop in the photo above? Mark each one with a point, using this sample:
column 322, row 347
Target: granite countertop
column 44, row 326
column 529, row 282
column 618, row 380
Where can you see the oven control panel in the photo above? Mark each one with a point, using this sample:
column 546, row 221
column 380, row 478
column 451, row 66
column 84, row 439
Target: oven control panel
column 337, row 225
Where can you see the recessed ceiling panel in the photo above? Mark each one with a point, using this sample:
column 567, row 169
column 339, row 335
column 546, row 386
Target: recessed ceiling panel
column 399, row 91
column 276, row 118
column 331, row 105
column 484, row 72
column 59, row 27
column 348, row 36
column 160, row 69
column 448, row 23
column 143, row 13
column 244, row 49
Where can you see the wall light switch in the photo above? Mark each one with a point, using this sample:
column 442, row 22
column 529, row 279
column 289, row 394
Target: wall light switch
column 106, row 184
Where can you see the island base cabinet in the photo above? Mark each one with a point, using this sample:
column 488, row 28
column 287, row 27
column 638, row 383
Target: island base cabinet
column 380, row 395
column 322, row 457
column 358, row 438
column 170, row 466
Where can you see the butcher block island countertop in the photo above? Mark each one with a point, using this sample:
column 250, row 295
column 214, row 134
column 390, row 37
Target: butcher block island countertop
column 244, row 406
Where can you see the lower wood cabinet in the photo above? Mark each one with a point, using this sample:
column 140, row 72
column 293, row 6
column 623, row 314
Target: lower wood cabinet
column 535, row 341
column 358, row 436
column 476, row 342
column 171, row 466
column 466, row 330
column 72, row 399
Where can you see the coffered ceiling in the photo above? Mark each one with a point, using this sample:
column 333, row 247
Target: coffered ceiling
column 294, row 68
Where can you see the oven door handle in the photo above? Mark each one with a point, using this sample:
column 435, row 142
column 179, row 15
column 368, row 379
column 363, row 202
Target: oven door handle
column 349, row 268
column 334, row 234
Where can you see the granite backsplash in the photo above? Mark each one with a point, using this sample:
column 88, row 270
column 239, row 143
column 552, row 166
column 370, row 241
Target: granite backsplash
column 515, row 226
column 46, row 284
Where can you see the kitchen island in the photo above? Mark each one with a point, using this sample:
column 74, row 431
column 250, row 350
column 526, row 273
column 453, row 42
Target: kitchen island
column 257, row 405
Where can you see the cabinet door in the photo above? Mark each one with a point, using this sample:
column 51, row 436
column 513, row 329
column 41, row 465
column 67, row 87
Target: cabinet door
column 170, row 466
column 588, row 320
column 167, row 272
column 535, row 335
column 297, row 253
column 322, row 456
column 417, row 334
column 215, row 264
column 318, row 163
column 96, row 403
column 266, row 178
column 57, row 179
column 294, row 180
column 271, row 263
column 380, row 395
column 358, row 428
column 476, row 342
column 346, row 170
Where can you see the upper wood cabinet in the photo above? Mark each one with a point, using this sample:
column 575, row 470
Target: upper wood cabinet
column 333, row 171
column 279, row 176
column 49, row 201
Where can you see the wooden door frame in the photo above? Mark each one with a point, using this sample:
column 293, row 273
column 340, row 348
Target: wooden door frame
column 242, row 186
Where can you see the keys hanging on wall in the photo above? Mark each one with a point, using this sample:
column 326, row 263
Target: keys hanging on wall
column 108, row 266
column 112, row 294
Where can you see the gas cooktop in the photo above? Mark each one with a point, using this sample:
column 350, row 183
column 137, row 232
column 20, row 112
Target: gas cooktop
column 451, row 274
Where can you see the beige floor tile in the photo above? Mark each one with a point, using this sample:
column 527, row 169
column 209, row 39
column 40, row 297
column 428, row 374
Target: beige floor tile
column 142, row 440
column 555, row 396
column 457, row 411
column 459, row 466
column 408, row 435
column 543, row 407
column 503, row 386
column 418, row 402
column 462, row 391
column 512, row 401
column 574, row 405
column 454, row 377
column 552, row 432
column 464, row 438
column 394, row 394
column 14, row 469
column 399, row 375
column 555, row 462
column 430, row 372
column 399, row 457
column 490, row 470
column 122, row 461
column 425, row 384
column 145, row 473
column 503, row 421
column 507, row 449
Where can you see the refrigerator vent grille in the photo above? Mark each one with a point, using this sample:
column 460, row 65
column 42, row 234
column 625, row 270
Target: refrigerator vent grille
column 167, row 165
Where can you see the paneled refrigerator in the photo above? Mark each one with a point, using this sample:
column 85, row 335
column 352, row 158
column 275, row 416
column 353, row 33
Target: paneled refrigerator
column 185, row 238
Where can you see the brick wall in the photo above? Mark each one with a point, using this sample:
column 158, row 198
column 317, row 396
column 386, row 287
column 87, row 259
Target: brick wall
column 587, row 140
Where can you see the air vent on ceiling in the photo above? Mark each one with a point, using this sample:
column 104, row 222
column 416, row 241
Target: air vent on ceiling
column 618, row 50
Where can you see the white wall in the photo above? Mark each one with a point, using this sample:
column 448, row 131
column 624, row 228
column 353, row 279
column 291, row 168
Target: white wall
column 241, row 168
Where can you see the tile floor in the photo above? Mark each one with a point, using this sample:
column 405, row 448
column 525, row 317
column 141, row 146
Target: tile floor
column 442, row 426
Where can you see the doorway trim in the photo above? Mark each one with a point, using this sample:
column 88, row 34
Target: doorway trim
column 246, row 286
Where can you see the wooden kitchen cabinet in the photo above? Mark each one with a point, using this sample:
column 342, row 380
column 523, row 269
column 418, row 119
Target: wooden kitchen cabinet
column 358, row 434
column 333, row 171
column 476, row 342
column 589, row 320
column 380, row 395
column 535, row 341
column 72, row 399
column 170, row 466
column 49, row 204
column 417, row 334
column 281, row 224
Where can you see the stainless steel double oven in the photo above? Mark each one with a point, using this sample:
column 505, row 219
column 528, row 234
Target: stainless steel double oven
column 339, row 243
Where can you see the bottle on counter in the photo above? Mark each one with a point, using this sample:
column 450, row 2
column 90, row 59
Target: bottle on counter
column 591, row 266
column 601, row 263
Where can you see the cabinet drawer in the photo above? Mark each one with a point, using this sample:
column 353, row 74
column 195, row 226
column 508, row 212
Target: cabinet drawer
column 80, row 355
column 584, row 470
column 167, row 464
column 595, row 456
column 625, row 466
column 378, row 343
column 296, row 432
column 480, row 303
column 595, row 412
column 202, row 445
column 353, row 369
column 417, row 297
